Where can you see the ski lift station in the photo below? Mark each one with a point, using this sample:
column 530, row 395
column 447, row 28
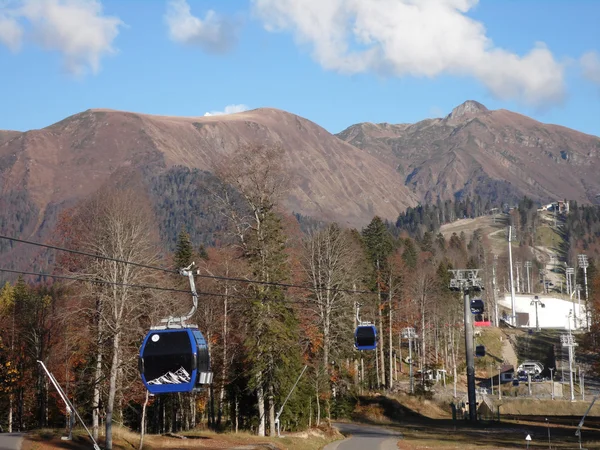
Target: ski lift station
column 555, row 313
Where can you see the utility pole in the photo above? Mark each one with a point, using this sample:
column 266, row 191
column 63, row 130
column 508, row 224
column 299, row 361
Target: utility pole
column 573, row 292
column 466, row 281
column 583, row 263
column 494, row 296
column 568, row 341
column 409, row 333
column 512, row 283
column 543, row 274
column 528, row 266
column 499, row 382
column 537, row 302
column 518, row 265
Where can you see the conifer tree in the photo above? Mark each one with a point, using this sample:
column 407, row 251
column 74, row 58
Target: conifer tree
column 258, row 175
column 379, row 245
column 184, row 252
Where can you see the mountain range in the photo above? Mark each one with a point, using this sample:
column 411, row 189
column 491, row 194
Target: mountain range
column 368, row 169
column 499, row 155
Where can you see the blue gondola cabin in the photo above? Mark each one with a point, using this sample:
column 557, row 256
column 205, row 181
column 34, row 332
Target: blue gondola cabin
column 365, row 337
column 174, row 360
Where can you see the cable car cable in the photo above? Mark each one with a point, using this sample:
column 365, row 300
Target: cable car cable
column 139, row 286
column 214, row 277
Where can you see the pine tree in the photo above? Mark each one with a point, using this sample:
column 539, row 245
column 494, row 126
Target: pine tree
column 184, row 252
column 379, row 245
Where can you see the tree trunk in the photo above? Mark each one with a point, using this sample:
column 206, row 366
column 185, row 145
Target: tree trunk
column 192, row 406
column 237, row 414
column 382, row 345
column 224, row 366
column 453, row 361
column 112, row 390
column 10, row 413
column 390, row 350
column 377, row 369
column 97, row 377
column 423, row 337
column 271, row 401
column 260, row 401
column 143, row 423
column 318, row 408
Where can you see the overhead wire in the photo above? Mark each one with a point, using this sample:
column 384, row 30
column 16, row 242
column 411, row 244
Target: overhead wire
column 140, row 286
column 173, row 271
column 113, row 283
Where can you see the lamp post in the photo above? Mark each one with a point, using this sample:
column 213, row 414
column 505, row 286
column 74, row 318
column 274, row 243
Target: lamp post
column 537, row 302
column 569, row 273
column 583, row 263
column 552, row 381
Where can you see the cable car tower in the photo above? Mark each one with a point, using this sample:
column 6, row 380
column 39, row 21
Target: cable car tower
column 466, row 281
column 365, row 335
column 174, row 357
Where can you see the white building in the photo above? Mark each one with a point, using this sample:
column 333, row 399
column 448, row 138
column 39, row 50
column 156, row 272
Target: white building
column 554, row 314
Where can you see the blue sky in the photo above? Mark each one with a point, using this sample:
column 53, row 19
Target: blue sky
column 336, row 62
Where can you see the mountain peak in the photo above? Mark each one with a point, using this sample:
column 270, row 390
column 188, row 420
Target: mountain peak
column 468, row 108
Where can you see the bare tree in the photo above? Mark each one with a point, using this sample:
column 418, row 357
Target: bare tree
column 118, row 225
column 330, row 263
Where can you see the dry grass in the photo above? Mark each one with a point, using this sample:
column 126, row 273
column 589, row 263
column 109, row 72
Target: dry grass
column 412, row 416
column 124, row 439
column 547, row 237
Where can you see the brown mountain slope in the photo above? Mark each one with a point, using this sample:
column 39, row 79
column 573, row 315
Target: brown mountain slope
column 496, row 154
column 7, row 135
column 72, row 158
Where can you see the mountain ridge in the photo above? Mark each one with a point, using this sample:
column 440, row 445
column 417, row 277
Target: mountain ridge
column 476, row 151
column 71, row 158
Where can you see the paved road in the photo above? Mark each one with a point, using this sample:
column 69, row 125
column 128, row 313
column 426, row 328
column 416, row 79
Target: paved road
column 11, row 441
column 363, row 437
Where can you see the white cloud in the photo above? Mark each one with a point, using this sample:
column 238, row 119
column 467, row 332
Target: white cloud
column 229, row 109
column 214, row 33
column 590, row 64
column 417, row 38
column 76, row 28
column 11, row 33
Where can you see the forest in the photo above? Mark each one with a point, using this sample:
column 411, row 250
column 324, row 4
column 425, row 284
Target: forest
column 278, row 293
